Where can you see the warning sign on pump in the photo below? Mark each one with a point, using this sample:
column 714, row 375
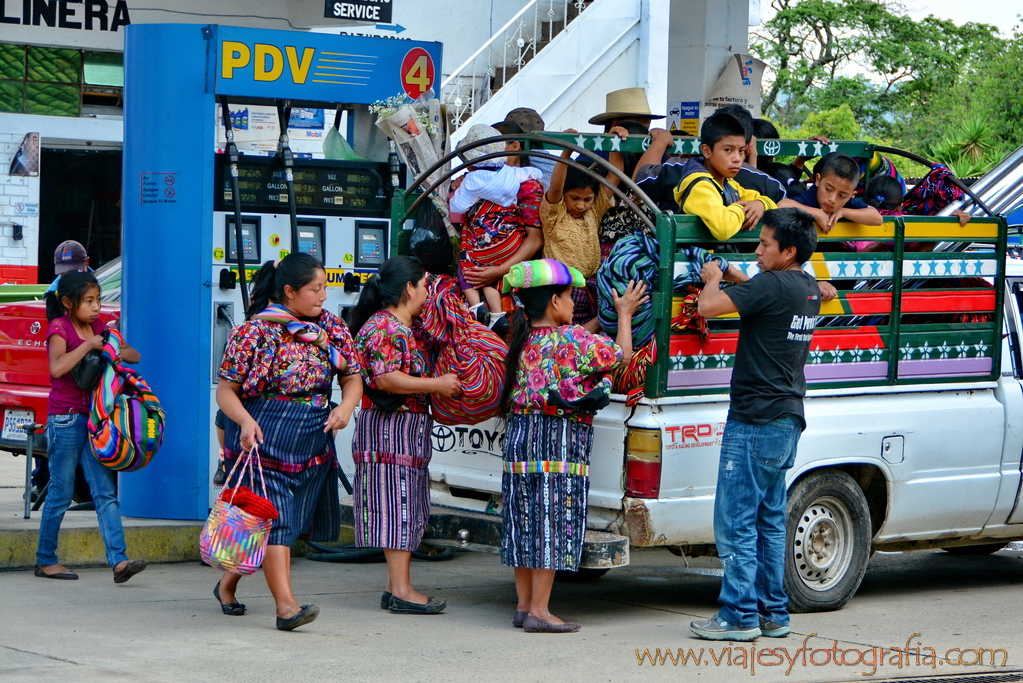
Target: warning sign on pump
column 158, row 188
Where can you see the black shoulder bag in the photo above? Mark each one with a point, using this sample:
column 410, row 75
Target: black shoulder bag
column 89, row 370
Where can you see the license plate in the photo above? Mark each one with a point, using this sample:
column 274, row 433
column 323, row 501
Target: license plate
column 13, row 419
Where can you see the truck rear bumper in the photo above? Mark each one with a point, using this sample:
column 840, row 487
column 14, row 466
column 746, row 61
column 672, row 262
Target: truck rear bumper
column 481, row 532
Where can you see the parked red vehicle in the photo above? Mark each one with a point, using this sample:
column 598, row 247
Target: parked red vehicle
column 24, row 368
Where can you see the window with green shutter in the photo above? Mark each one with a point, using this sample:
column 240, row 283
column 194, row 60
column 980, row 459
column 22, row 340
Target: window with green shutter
column 58, row 81
column 12, row 78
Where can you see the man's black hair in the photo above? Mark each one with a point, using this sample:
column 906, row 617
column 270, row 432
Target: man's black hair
column 634, row 127
column 838, row 164
column 742, row 115
column 884, row 192
column 793, row 228
column 718, row 126
column 786, row 174
column 765, row 130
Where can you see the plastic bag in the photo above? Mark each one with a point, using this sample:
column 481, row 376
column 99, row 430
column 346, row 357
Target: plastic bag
column 430, row 243
column 335, row 147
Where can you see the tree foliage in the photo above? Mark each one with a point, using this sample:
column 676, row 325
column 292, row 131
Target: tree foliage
column 921, row 85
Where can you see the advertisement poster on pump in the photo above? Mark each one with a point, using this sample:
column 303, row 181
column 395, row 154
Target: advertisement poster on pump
column 257, row 129
column 739, row 83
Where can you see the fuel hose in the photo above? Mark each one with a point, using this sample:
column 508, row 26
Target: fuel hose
column 231, row 151
column 288, row 162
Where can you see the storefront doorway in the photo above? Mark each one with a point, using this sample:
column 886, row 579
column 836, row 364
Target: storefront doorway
column 79, row 199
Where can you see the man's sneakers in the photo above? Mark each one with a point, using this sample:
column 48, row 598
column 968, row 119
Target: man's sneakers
column 769, row 629
column 717, row 628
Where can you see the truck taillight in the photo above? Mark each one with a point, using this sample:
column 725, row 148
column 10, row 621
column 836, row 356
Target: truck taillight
column 643, row 463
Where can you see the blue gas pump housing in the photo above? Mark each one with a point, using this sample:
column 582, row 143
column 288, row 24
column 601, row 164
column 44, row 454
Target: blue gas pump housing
column 174, row 76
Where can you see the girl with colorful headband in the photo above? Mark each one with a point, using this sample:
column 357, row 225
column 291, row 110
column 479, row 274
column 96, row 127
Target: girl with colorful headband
column 557, row 379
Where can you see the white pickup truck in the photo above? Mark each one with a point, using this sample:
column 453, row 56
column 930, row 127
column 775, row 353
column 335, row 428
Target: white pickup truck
column 914, row 406
column 914, row 411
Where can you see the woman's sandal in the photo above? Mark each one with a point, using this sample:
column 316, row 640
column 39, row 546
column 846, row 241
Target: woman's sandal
column 231, row 609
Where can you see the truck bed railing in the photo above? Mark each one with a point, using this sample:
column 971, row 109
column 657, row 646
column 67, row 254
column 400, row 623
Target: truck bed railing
column 938, row 320
column 901, row 317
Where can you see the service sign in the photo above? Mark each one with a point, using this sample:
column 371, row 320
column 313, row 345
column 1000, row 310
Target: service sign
column 319, row 67
column 371, row 11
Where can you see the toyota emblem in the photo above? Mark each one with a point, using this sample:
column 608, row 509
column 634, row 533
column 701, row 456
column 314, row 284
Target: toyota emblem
column 35, row 327
column 772, row 147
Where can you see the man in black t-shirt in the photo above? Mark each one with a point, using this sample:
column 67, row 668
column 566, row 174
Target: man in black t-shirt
column 778, row 311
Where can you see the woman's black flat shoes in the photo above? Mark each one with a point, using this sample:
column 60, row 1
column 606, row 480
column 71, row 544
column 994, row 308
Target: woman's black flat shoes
column 433, row 606
column 231, row 609
column 305, row 615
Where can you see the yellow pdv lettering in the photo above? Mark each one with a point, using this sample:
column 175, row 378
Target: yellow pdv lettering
column 299, row 68
column 262, row 73
column 233, row 55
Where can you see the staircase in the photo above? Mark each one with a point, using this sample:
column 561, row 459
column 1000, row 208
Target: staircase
column 504, row 55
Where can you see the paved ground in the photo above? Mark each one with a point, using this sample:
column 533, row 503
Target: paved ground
column 165, row 627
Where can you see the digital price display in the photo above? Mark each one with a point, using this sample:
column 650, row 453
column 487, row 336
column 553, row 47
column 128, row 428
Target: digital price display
column 321, row 187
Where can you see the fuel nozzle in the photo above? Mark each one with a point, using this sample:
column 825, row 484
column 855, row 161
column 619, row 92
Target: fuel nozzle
column 394, row 164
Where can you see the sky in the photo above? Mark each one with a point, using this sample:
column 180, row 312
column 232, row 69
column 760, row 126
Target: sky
column 1000, row 13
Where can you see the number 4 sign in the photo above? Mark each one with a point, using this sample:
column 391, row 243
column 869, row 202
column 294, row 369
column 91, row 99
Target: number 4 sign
column 417, row 72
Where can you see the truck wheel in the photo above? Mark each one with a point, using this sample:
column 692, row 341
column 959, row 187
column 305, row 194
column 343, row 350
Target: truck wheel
column 975, row 550
column 827, row 541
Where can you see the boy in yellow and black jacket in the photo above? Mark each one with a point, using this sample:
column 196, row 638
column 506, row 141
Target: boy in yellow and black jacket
column 704, row 186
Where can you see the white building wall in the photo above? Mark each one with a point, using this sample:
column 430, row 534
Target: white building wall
column 591, row 101
column 14, row 190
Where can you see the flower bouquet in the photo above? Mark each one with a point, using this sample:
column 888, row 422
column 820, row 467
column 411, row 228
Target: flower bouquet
column 420, row 132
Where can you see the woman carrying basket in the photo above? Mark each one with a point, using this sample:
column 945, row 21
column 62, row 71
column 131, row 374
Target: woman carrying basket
column 275, row 386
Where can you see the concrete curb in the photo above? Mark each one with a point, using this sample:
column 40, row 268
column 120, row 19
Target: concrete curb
column 84, row 547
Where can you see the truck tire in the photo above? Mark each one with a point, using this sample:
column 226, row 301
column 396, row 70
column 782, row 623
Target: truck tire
column 975, row 550
column 828, row 541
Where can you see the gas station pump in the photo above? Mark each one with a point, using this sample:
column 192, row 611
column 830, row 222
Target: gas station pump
column 198, row 224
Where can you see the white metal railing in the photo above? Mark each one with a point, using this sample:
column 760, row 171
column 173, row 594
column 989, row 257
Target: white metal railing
column 470, row 85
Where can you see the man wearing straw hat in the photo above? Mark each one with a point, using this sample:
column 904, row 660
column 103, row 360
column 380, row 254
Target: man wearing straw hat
column 627, row 104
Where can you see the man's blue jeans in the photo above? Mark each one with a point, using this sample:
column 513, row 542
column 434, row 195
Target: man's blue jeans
column 749, row 519
column 68, row 441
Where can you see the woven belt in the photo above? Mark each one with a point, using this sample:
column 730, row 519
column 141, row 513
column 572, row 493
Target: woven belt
column 317, row 400
column 547, row 466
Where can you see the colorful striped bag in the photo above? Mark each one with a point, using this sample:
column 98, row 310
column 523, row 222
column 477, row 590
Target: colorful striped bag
column 126, row 423
column 233, row 540
column 466, row 348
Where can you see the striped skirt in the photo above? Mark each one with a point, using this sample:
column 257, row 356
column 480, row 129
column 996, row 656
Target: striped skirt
column 299, row 465
column 391, row 487
column 545, row 488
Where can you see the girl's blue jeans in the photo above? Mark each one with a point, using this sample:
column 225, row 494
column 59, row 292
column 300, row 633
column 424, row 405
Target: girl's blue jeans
column 749, row 519
column 68, row 441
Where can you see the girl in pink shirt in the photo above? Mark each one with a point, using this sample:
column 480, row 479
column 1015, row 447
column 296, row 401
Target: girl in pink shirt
column 75, row 330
